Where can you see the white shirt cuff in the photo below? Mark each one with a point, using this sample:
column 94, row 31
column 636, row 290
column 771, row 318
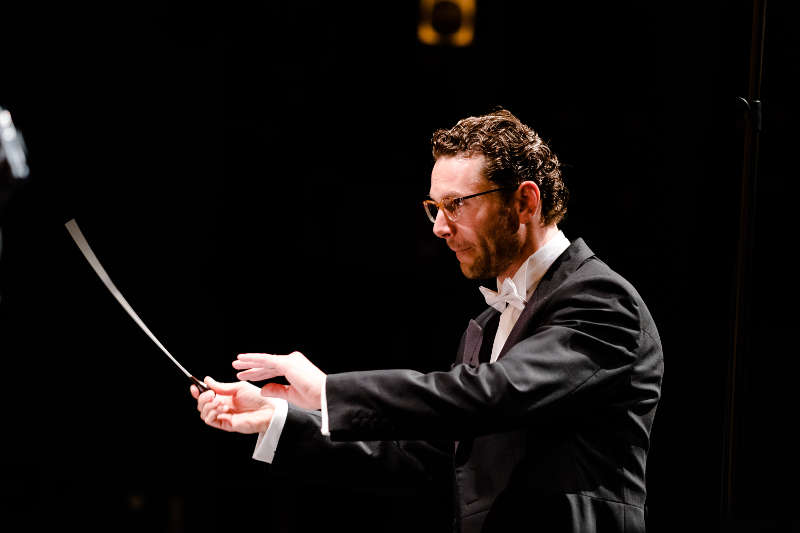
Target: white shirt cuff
column 324, row 402
column 267, row 442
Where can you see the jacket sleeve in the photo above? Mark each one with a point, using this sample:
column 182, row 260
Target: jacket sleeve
column 303, row 452
column 579, row 352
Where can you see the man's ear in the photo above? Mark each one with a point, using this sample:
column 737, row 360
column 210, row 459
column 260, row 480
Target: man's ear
column 529, row 203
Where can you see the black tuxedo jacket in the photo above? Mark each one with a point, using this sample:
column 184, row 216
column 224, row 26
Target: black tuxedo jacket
column 551, row 437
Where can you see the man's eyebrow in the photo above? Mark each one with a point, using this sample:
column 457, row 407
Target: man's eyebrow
column 449, row 194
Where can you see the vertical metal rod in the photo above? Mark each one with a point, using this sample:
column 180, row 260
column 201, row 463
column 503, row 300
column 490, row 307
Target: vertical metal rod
column 745, row 246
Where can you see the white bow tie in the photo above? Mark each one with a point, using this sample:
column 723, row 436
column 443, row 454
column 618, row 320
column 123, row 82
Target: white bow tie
column 508, row 295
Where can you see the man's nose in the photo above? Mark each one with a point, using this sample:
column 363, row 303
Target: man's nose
column 441, row 226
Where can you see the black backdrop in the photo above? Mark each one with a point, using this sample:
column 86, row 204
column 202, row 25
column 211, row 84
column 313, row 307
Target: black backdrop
column 251, row 179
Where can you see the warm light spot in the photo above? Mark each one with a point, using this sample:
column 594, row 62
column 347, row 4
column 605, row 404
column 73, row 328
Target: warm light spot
column 446, row 22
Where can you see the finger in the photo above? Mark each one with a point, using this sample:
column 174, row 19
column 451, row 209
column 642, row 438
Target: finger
column 225, row 403
column 202, row 401
column 204, row 415
column 276, row 390
column 261, row 359
column 242, row 364
column 210, row 417
column 204, row 398
column 220, row 423
column 252, row 355
column 222, row 388
column 208, row 407
column 226, row 422
column 194, row 391
column 257, row 374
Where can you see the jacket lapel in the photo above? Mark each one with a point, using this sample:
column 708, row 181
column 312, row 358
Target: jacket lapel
column 469, row 354
column 566, row 263
column 472, row 344
column 473, row 338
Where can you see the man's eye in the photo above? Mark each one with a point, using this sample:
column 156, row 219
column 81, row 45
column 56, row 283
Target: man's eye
column 455, row 204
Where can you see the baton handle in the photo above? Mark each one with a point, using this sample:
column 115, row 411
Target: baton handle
column 199, row 384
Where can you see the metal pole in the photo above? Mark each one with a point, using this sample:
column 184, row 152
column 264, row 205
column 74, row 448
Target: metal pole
column 745, row 246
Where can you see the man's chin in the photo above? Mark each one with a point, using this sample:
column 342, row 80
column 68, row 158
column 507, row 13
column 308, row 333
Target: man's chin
column 470, row 272
column 467, row 271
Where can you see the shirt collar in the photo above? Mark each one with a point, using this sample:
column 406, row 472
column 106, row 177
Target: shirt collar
column 532, row 270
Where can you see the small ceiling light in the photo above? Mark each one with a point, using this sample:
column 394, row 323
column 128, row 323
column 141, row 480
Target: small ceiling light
column 446, row 22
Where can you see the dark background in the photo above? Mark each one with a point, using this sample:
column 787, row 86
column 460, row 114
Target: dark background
column 251, row 178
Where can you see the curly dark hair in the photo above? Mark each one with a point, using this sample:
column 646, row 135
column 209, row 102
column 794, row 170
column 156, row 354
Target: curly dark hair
column 514, row 153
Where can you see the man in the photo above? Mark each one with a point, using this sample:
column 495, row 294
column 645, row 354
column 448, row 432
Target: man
column 546, row 413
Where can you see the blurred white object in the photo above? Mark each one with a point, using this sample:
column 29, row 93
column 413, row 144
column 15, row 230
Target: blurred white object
column 12, row 147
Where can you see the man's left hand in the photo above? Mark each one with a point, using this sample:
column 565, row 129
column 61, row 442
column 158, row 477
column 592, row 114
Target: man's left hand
column 305, row 379
column 236, row 407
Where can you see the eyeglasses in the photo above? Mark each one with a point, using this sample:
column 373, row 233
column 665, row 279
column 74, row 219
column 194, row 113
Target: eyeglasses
column 452, row 206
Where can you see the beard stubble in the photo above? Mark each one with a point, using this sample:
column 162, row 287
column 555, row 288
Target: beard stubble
column 498, row 250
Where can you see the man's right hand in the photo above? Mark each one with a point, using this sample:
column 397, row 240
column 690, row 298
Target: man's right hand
column 238, row 407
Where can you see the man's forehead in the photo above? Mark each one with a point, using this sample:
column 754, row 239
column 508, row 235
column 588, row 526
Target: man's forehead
column 456, row 175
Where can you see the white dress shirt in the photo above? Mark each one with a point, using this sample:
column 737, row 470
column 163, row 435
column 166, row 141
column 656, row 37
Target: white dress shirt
column 267, row 442
column 526, row 279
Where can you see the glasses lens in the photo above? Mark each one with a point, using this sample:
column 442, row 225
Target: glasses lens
column 451, row 208
column 431, row 210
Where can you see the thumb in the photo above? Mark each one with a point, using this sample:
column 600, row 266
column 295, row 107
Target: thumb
column 221, row 388
column 275, row 390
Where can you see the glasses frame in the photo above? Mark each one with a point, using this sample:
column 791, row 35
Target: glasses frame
column 460, row 201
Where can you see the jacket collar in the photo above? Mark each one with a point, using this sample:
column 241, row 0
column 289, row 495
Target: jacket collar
column 566, row 264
